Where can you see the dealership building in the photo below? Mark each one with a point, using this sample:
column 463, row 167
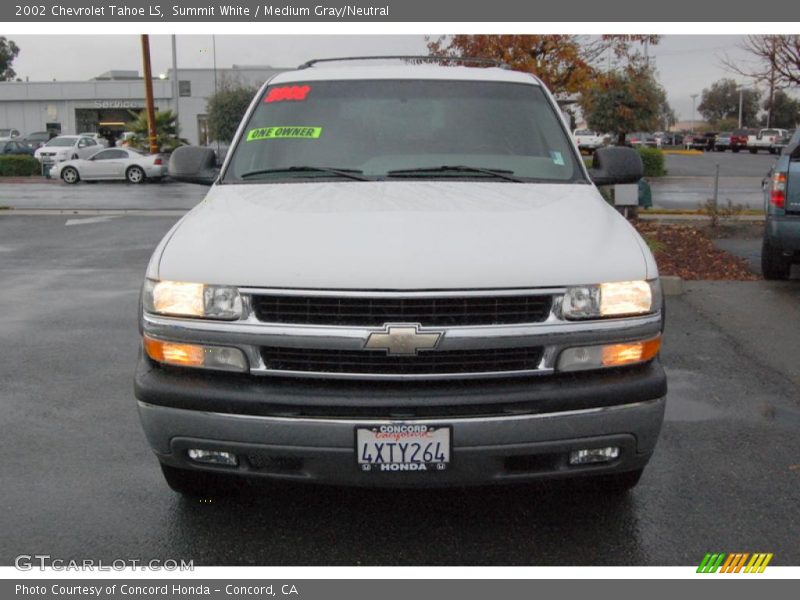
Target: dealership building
column 106, row 103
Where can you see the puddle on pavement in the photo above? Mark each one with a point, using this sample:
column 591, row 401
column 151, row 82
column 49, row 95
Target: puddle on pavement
column 684, row 385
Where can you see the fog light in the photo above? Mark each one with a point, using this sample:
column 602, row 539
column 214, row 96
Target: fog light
column 212, row 457
column 593, row 455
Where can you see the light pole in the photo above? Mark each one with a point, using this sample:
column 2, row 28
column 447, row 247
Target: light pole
column 694, row 97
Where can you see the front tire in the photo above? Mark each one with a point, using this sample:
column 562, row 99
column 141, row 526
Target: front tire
column 70, row 175
column 774, row 265
column 134, row 175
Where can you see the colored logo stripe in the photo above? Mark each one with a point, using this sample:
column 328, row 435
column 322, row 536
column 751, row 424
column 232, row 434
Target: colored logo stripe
column 733, row 563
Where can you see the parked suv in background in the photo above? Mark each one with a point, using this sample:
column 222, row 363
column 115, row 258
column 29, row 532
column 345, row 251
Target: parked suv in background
column 781, row 245
column 402, row 275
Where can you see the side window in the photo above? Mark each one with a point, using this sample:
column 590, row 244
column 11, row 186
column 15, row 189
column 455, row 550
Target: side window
column 110, row 154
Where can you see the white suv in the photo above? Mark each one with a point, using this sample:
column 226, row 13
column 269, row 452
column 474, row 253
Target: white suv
column 402, row 275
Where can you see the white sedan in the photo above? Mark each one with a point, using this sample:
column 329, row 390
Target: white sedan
column 112, row 163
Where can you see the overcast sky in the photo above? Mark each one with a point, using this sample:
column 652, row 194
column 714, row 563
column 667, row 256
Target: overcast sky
column 685, row 64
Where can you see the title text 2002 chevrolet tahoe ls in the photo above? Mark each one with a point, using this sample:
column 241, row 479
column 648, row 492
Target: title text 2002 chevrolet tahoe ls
column 402, row 275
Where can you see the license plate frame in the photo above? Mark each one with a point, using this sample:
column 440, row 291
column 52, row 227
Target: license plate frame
column 404, row 447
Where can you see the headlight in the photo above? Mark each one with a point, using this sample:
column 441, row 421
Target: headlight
column 182, row 299
column 617, row 299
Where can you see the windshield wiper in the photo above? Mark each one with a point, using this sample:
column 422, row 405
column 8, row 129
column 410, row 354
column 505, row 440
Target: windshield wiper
column 349, row 173
column 499, row 173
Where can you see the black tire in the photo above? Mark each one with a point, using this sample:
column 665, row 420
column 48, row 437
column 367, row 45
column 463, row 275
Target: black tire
column 616, row 483
column 70, row 175
column 199, row 483
column 774, row 265
column 135, row 175
column 773, row 150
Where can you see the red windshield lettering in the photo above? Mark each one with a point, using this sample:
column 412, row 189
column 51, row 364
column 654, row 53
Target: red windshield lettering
column 290, row 92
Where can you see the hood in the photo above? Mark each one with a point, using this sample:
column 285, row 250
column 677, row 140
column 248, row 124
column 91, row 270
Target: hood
column 418, row 235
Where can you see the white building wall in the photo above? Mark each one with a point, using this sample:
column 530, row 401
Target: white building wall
column 27, row 106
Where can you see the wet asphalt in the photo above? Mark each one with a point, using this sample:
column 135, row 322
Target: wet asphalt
column 79, row 481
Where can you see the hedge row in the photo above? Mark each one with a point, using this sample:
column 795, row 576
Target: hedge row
column 19, row 166
column 653, row 161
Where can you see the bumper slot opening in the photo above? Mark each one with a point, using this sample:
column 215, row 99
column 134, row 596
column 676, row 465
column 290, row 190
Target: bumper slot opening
column 275, row 464
column 534, row 463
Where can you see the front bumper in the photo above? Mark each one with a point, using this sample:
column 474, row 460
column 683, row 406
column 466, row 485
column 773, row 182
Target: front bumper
column 503, row 431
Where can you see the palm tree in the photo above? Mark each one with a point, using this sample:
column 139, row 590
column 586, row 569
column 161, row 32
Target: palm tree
column 167, row 131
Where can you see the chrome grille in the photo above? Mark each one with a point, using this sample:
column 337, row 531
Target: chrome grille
column 427, row 311
column 371, row 362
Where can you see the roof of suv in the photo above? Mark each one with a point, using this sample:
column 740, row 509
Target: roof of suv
column 327, row 73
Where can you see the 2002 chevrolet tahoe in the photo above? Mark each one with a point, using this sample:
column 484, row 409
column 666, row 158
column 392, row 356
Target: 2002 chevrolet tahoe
column 402, row 275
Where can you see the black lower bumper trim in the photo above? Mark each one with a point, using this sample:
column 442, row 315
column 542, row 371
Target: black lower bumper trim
column 268, row 396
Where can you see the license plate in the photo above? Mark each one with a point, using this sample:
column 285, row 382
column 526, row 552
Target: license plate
column 403, row 447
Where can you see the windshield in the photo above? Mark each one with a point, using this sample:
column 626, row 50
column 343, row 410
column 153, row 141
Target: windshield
column 62, row 141
column 404, row 128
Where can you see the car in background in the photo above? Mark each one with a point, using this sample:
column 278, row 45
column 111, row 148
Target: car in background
column 124, row 164
column 124, row 140
column 739, row 139
column 642, row 139
column 781, row 243
column 14, row 147
column 96, row 137
column 66, row 147
column 766, row 139
column 37, row 139
column 8, row 134
column 722, row 141
column 700, row 141
column 588, row 140
column 783, row 142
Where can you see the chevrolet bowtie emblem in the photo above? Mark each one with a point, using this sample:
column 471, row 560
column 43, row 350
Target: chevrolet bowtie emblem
column 403, row 339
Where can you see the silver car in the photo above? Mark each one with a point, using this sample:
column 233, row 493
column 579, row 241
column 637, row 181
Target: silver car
column 124, row 164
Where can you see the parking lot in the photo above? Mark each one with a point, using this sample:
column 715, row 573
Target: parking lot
column 80, row 480
column 690, row 180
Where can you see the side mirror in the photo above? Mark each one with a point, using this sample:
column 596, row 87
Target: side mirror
column 616, row 164
column 193, row 164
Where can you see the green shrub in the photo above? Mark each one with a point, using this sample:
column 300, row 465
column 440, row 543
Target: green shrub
column 653, row 160
column 19, row 165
